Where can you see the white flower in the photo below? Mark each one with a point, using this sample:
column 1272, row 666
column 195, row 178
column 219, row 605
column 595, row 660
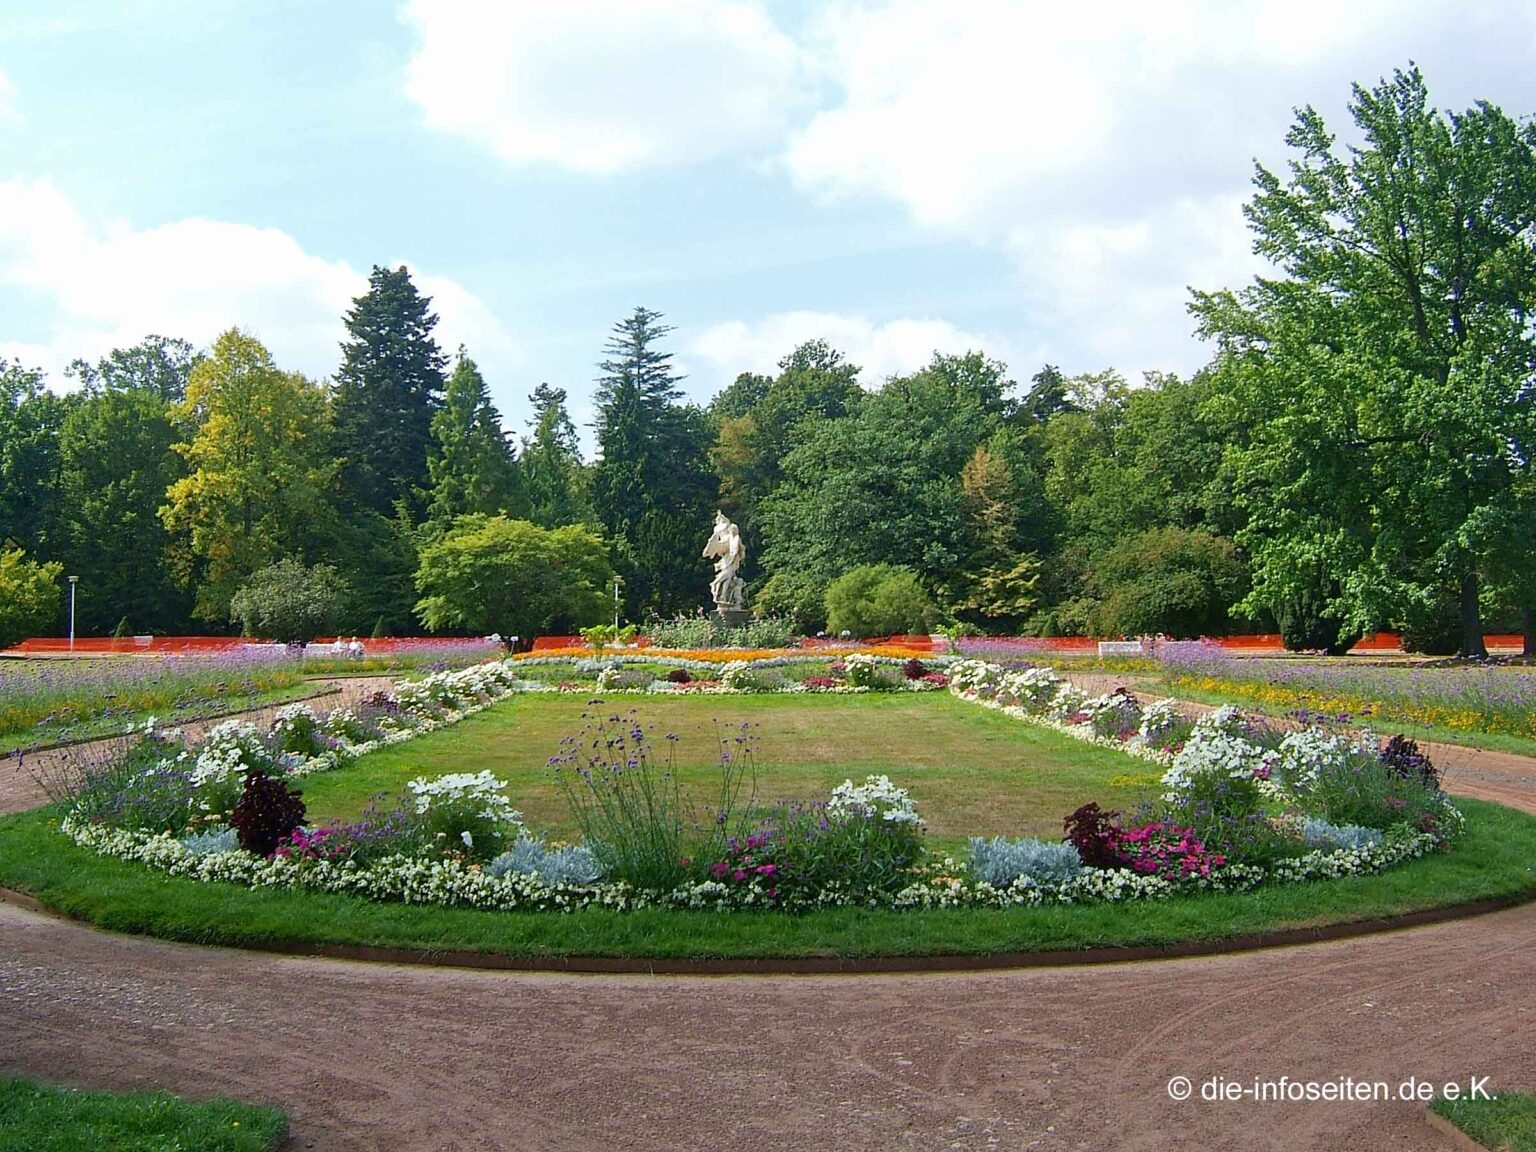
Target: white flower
column 1158, row 718
column 876, row 797
column 479, row 790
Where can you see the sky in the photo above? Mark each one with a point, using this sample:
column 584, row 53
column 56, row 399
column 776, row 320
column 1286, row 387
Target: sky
column 1042, row 182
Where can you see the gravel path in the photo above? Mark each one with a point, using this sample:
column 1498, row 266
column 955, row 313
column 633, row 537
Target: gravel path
column 380, row 1057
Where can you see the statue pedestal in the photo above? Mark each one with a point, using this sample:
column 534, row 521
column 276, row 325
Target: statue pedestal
column 732, row 617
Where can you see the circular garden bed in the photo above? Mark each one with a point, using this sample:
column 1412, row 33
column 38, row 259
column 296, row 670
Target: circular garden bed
column 629, row 848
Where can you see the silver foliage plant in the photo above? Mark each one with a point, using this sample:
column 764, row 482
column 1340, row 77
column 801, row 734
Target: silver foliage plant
column 1321, row 834
column 572, row 864
column 1001, row 861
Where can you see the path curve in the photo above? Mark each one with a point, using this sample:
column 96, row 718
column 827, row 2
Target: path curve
column 380, row 1057
column 384, row 1057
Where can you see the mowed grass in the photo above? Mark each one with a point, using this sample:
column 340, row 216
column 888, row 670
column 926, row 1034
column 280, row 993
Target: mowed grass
column 46, row 1118
column 971, row 771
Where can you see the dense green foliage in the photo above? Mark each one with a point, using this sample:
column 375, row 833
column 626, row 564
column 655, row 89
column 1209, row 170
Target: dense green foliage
column 255, row 484
column 471, row 464
column 652, row 489
column 488, row 574
column 877, row 600
column 29, row 596
column 290, row 602
column 1384, row 377
column 1357, row 454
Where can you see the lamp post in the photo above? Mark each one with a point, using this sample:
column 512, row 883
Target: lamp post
column 617, row 580
column 73, row 581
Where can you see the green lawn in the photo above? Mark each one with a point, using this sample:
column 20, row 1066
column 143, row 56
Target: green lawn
column 1507, row 1124
column 970, row 770
column 45, row 1118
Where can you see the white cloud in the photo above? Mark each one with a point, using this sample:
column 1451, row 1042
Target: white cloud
column 110, row 284
column 719, row 354
column 970, row 113
column 1103, row 146
column 1106, row 146
column 599, row 86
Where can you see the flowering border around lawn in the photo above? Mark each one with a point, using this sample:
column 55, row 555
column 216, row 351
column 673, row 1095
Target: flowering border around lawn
column 452, row 883
column 934, row 883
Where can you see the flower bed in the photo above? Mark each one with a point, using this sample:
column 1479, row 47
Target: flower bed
column 1239, row 808
column 1467, row 698
column 743, row 672
column 725, row 655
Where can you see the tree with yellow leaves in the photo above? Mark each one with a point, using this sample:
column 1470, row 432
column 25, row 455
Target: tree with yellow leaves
column 259, row 471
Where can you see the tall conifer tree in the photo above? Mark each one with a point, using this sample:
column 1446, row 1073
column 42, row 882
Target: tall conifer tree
column 471, row 466
column 550, row 468
column 653, row 488
column 388, row 387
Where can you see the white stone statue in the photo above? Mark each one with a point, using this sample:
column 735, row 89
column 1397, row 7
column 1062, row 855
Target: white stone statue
column 728, row 552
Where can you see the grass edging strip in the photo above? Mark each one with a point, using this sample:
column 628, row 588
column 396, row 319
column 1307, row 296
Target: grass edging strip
column 1460, row 1141
column 834, row 965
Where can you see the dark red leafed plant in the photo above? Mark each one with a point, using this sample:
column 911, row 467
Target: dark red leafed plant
column 266, row 814
column 679, row 676
column 1095, row 834
column 914, row 669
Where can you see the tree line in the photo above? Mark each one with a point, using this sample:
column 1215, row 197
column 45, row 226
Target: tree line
column 1356, row 455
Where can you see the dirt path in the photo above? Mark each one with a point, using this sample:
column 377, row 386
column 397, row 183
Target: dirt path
column 379, row 1057
column 20, row 790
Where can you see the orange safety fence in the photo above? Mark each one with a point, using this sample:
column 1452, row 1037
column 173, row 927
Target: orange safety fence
column 1373, row 643
column 212, row 645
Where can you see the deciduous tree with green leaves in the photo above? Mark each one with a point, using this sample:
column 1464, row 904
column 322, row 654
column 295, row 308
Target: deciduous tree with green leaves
column 30, row 477
column 116, row 461
column 1386, row 374
column 158, row 364
column 29, row 597
column 290, row 601
column 491, row 574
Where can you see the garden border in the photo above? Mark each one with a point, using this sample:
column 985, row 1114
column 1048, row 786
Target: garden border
column 822, row 965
